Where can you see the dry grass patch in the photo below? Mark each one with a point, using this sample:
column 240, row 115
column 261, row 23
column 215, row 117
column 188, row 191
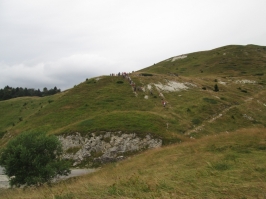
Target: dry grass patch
column 229, row 165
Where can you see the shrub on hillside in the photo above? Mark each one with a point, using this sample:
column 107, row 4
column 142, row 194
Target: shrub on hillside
column 216, row 89
column 33, row 159
column 146, row 74
column 2, row 134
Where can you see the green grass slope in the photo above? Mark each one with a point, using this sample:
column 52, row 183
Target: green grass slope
column 108, row 103
column 233, row 60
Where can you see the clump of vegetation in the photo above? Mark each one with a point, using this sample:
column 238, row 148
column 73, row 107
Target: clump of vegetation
column 209, row 100
column 2, row 134
column 33, row 159
column 73, row 150
column 107, row 139
column 146, row 74
column 89, row 81
column 259, row 74
column 221, row 166
column 242, row 90
column 196, row 121
column 216, row 88
column 119, row 82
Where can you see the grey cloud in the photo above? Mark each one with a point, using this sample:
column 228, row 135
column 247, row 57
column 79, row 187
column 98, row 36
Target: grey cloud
column 61, row 43
column 63, row 73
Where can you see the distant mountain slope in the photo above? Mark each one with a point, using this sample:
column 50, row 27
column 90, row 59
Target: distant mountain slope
column 233, row 60
column 186, row 83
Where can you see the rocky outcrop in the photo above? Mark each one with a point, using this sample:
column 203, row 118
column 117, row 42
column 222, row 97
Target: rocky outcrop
column 107, row 147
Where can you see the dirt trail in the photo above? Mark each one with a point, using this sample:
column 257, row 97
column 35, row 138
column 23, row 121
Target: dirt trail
column 199, row 128
column 223, row 112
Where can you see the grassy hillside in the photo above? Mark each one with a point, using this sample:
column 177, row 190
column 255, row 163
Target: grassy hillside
column 227, row 61
column 231, row 165
column 109, row 103
column 92, row 106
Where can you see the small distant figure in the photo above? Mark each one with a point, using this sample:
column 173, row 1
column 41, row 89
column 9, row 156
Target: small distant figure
column 164, row 103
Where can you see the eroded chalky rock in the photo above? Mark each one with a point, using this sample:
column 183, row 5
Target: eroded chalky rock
column 107, row 147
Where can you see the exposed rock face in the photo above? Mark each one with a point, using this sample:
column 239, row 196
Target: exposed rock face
column 108, row 147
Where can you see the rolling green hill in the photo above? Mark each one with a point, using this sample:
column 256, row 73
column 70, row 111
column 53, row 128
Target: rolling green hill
column 185, row 82
column 220, row 133
column 227, row 61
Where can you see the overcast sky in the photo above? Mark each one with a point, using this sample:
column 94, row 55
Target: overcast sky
column 47, row 43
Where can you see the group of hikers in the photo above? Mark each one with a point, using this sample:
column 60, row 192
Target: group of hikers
column 134, row 87
column 120, row 74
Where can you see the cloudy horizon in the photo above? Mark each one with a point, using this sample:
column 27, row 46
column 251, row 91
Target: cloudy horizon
column 60, row 43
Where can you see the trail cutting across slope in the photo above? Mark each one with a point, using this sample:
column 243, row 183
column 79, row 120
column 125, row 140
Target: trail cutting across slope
column 217, row 116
